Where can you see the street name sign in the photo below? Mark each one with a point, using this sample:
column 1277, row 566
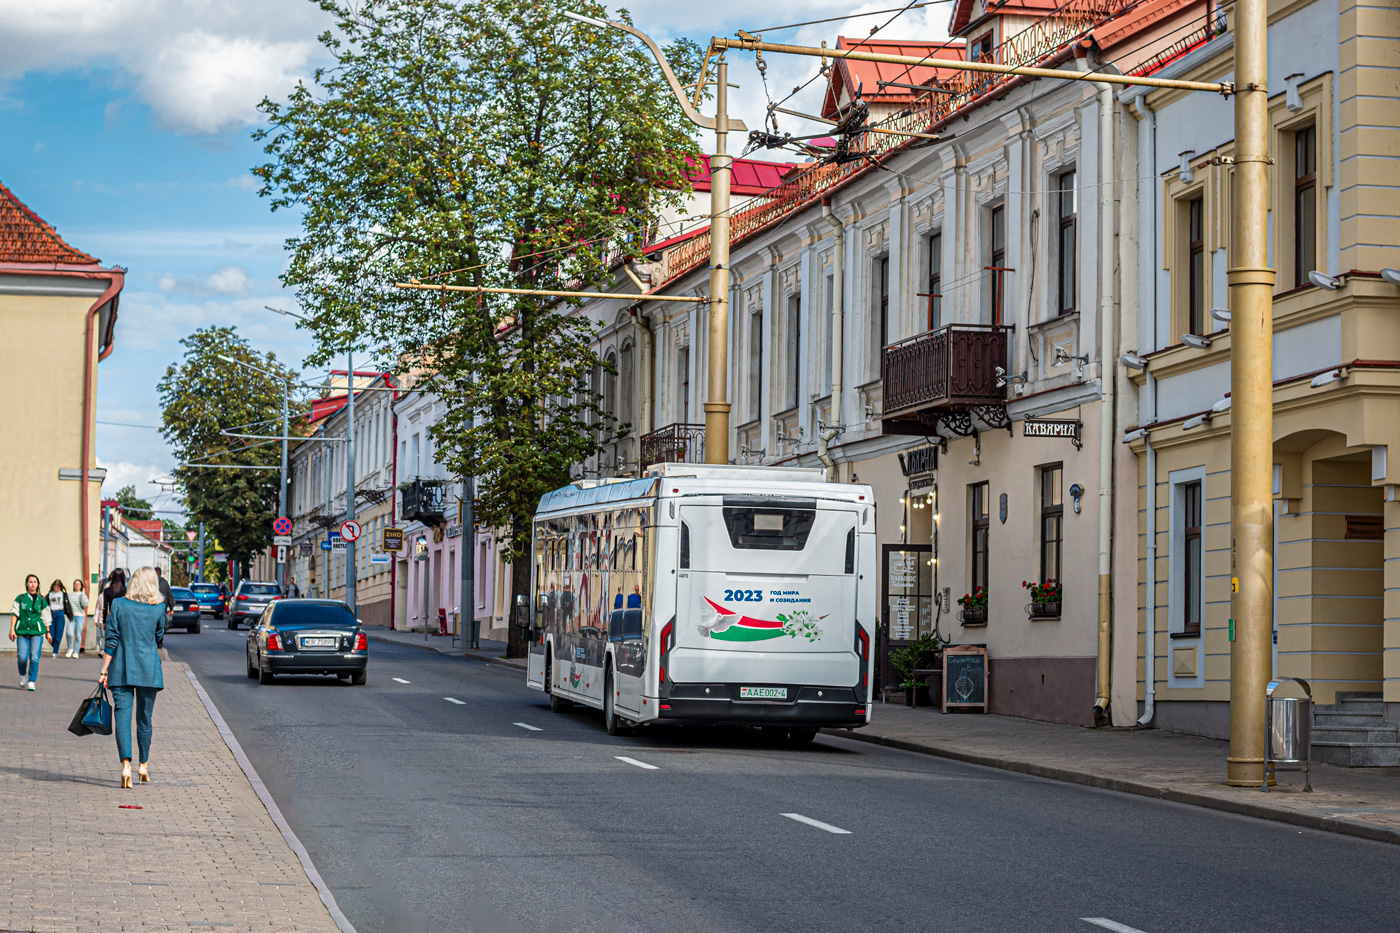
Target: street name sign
column 281, row 540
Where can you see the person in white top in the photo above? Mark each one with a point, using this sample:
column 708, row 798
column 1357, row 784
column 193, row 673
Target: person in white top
column 77, row 626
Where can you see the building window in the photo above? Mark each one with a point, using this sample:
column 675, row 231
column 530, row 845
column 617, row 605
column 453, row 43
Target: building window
column 1196, row 266
column 1191, row 558
column 1052, row 512
column 683, row 380
column 625, row 378
column 981, row 532
column 795, row 342
column 1065, row 240
column 1304, row 204
column 980, row 50
column 755, row 363
column 997, row 255
column 880, row 331
column 610, row 392
column 821, row 384
column 934, row 296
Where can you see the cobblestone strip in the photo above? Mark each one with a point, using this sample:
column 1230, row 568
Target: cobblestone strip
column 202, row 852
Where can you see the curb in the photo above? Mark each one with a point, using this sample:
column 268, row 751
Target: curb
column 1141, row 789
column 513, row 663
column 314, row 876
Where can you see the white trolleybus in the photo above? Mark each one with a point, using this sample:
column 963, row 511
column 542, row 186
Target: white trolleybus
column 707, row 594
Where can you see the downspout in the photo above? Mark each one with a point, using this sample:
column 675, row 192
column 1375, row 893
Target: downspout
column 114, row 286
column 1107, row 363
column 1147, row 292
column 838, row 284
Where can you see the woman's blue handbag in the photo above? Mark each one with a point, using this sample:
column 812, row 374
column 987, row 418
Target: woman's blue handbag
column 94, row 714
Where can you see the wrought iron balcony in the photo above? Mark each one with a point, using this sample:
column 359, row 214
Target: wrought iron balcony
column 946, row 375
column 675, row 443
column 424, row 500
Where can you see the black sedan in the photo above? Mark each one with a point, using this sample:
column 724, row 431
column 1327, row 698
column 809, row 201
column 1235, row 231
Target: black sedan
column 186, row 610
column 308, row 636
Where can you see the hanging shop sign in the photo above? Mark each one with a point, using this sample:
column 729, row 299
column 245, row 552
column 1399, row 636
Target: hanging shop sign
column 391, row 539
column 919, row 460
column 1052, row 427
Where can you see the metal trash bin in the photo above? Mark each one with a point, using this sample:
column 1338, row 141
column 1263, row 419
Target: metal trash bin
column 1288, row 731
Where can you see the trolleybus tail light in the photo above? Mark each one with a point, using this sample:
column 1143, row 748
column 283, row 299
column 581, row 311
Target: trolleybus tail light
column 863, row 652
column 274, row 643
column 361, row 642
column 668, row 641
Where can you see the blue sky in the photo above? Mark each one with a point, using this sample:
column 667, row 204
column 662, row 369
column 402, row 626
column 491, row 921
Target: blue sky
column 126, row 124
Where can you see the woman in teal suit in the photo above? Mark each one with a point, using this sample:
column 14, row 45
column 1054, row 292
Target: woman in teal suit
column 131, row 665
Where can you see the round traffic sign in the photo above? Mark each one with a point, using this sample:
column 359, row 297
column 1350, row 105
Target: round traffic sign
column 350, row 530
column 282, row 526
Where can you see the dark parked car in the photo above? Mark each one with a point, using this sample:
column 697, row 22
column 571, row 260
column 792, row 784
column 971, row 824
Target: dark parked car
column 213, row 598
column 308, row 636
column 186, row 610
column 249, row 601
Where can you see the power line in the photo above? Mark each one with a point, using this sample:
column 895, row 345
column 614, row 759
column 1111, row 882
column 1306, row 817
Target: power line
column 840, row 19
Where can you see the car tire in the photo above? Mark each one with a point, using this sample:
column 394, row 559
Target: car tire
column 193, row 629
column 801, row 736
column 343, row 675
column 264, row 677
column 358, row 678
column 611, row 721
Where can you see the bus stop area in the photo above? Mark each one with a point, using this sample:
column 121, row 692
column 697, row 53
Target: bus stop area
column 1361, row 802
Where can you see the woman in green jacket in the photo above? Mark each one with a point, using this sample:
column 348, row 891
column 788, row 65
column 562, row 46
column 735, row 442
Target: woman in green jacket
column 29, row 624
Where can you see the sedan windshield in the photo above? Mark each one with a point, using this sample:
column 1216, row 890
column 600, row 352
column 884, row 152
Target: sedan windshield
column 208, row 589
column 182, row 594
column 293, row 615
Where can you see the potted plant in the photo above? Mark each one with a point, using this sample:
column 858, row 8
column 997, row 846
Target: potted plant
column 974, row 607
column 1045, row 599
column 920, row 654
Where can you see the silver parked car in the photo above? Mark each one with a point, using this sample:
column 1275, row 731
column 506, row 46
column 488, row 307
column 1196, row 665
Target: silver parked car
column 249, row 601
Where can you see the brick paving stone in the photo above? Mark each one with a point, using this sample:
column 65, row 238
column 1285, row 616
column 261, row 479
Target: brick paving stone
column 198, row 849
column 1189, row 769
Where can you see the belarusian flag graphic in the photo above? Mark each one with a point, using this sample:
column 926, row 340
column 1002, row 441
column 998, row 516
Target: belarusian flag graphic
column 727, row 625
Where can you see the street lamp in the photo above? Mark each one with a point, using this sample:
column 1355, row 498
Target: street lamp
column 282, row 485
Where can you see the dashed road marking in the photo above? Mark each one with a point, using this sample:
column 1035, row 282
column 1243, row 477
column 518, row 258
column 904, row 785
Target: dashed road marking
column 639, row 764
column 837, row 830
column 1113, row 925
column 398, row 680
column 526, row 725
column 456, row 701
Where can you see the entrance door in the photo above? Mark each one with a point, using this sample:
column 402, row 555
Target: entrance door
column 906, row 601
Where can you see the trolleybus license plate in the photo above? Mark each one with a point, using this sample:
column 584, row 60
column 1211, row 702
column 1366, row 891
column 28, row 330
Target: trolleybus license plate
column 763, row 693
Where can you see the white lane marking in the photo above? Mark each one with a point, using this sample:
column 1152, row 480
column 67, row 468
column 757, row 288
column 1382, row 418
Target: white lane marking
column 818, row 824
column 398, row 680
column 526, row 725
column 639, row 764
column 1113, row 925
column 456, row 701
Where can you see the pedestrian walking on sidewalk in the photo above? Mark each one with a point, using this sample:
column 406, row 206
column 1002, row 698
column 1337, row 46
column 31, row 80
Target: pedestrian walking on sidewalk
column 59, row 614
column 78, row 602
column 131, row 665
column 29, row 623
column 114, row 590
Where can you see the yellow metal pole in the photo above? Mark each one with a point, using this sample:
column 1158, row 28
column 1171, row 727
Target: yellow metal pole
column 717, row 401
column 1251, row 404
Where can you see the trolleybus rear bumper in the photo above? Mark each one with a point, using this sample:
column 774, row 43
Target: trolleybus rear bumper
column 814, row 706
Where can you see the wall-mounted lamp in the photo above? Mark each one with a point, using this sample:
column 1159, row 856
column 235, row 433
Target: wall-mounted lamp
column 1221, row 406
column 1195, row 422
column 1196, row 341
column 1221, row 314
column 1323, row 280
column 1075, row 492
column 1391, row 275
column 1133, row 361
column 1134, row 435
column 1293, row 97
column 1186, row 175
column 1327, row 378
column 1063, row 356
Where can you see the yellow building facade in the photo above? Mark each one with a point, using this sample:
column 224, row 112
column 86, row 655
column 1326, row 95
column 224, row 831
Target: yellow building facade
column 58, row 312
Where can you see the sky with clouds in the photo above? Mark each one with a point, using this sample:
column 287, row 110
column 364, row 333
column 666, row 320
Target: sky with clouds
column 126, row 124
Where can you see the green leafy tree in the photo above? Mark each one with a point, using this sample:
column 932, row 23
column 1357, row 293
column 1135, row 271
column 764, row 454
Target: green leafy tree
column 132, row 503
column 203, row 395
column 482, row 143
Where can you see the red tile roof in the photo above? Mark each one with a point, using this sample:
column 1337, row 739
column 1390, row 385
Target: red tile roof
column 866, row 76
column 26, row 237
column 747, row 177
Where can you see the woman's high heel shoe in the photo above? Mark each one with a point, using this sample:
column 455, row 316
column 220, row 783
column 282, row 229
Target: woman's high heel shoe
column 126, row 772
column 143, row 774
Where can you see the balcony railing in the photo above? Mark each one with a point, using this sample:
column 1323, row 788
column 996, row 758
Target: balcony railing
column 675, row 443
column 953, row 368
column 424, row 500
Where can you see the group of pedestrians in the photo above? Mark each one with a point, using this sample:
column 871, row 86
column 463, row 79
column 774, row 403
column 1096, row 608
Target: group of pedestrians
column 134, row 618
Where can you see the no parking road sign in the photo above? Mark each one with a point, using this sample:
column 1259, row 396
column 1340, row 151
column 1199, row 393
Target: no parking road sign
column 282, row 526
column 350, row 530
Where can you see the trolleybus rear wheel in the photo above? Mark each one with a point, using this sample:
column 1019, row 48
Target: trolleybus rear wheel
column 611, row 720
column 557, row 704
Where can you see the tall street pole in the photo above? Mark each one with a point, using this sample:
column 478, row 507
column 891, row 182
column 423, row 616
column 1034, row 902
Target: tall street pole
column 350, row 482
column 466, row 600
column 282, row 490
column 1251, row 284
column 199, row 561
column 717, row 401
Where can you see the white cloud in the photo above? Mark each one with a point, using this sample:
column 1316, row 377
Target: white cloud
column 125, row 473
column 230, row 280
column 168, row 283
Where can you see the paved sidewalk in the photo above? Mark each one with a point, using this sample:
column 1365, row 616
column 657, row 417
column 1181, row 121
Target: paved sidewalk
column 1188, row 769
column 202, row 853
column 491, row 651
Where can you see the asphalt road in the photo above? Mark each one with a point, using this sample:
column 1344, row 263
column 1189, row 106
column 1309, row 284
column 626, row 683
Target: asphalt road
column 494, row 814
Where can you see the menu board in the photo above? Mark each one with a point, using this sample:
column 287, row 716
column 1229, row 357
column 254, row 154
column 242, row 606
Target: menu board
column 964, row 677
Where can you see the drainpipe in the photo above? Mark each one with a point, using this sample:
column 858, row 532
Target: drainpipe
column 1147, row 292
column 114, row 286
column 838, row 284
column 1107, row 362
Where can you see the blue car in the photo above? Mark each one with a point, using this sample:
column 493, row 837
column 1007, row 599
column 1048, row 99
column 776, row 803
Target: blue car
column 213, row 598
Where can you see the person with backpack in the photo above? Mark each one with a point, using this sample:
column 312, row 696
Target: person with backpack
column 60, row 611
column 29, row 623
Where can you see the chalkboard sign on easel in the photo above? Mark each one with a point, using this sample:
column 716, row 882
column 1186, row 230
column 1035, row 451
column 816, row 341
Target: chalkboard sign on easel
column 964, row 677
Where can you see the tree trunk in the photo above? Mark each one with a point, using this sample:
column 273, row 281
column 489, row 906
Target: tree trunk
column 518, row 639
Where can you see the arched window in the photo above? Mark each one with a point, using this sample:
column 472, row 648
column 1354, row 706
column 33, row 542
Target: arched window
column 626, row 407
column 609, row 403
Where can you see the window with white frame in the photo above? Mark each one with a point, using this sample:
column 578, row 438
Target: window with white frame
column 1066, row 248
column 1186, row 600
column 933, row 296
column 794, row 341
column 879, row 316
column 755, row 365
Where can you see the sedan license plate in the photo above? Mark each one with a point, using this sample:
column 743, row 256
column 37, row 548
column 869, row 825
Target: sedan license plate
column 319, row 642
column 763, row 693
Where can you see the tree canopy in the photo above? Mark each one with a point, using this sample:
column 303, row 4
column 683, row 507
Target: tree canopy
column 482, row 143
column 203, row 395
column 131, row 502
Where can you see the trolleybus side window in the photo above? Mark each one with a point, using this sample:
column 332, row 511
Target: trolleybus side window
column 685, row 546
column 851, row 551
column 777, row 529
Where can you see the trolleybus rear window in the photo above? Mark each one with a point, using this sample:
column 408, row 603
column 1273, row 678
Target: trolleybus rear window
column 764, row 528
